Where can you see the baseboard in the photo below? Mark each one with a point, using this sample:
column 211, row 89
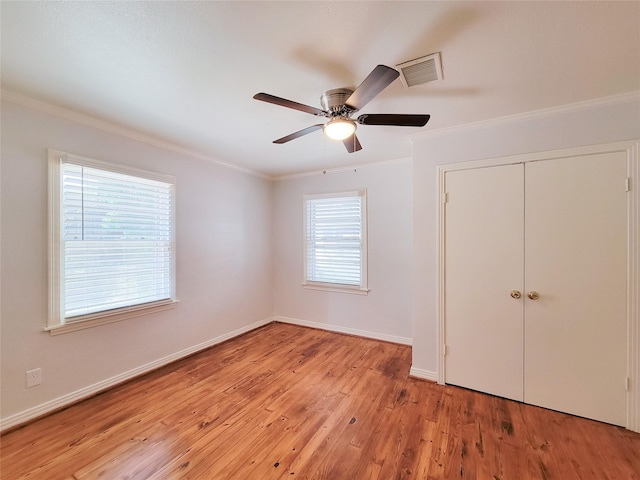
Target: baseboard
column 423, row 374
column 78, row 395
column 339, row 329
column 73, row 397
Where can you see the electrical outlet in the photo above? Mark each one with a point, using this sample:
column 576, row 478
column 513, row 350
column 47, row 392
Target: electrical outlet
column 34, row 377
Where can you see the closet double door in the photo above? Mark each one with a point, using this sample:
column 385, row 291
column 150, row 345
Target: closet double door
column 536, row 282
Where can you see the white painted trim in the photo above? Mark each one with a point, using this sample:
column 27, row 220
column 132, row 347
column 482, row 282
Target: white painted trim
column 164, row 144
column 532, row 115
column 626, row 145
column 440, row 327
column 103, row 318
column 56, row 322
column 55, row 260
column 340, row 169
column 631, row 148
column 334, row 287
column 633, row 285
column 337, row 328
column 118, row 130
column 361, row 289
column 423, row 374
column 85, row 392
column 67, row 157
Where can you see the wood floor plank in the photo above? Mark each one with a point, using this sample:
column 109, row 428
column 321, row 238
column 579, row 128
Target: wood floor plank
column 340, row 456
column 288, row 402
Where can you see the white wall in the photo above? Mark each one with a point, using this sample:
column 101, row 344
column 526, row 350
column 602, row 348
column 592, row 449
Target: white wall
column 239, row 259
column 386, row 311
column 607, row 120
column 224, row 267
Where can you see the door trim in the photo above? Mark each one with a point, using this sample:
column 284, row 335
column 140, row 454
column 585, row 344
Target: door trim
column 631, row 148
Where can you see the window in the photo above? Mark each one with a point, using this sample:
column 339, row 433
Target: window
column 336, row 241
column 111, row 242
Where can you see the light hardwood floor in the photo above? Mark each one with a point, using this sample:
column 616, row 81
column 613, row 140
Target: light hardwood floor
column 287, row 402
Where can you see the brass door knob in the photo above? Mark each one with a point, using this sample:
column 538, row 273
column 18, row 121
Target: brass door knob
column 515, row 294
column 533, row 295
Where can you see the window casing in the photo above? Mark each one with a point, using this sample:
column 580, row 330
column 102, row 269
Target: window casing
column 335, row 242
column 112, row 248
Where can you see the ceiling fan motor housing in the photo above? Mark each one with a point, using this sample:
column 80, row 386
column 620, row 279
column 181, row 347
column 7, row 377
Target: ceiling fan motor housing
column 333, row 101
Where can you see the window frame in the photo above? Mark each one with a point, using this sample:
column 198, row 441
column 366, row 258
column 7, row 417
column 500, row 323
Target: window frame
column 361, row 289
column 56, row 321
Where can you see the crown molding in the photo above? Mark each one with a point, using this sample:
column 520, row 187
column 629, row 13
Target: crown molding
column 628, row 97
column 117, row 129
column 340, row 169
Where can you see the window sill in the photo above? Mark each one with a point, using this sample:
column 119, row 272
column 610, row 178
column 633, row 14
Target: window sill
column 333, row 287
column 111, row 317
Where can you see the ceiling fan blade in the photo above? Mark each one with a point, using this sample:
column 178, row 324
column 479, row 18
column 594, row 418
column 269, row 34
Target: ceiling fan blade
column 265, row 97
column 352, row 143
column 398, row 120
column 299, row 133
column 379, row 79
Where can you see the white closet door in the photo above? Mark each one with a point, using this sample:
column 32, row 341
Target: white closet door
column 483, row 264
column 576, row 257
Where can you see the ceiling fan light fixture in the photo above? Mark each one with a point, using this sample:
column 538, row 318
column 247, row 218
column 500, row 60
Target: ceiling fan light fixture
column 339, row 128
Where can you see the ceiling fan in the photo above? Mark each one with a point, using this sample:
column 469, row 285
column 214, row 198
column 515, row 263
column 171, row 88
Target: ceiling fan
column 340, row 104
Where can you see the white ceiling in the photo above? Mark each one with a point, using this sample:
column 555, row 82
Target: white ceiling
column 186, row 72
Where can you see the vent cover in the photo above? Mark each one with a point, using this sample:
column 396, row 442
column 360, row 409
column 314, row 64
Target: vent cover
column 421, row 70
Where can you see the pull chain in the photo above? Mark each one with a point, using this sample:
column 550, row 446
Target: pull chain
column 324, row 154
column 355, row 153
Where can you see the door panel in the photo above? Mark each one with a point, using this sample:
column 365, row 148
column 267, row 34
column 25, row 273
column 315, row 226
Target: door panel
column 483, row 263
column 575, row 258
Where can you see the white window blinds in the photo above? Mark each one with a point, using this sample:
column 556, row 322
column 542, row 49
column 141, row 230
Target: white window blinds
column 116, row 241
column 335, row 238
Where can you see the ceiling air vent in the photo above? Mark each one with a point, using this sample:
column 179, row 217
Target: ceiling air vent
column 421, row 70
